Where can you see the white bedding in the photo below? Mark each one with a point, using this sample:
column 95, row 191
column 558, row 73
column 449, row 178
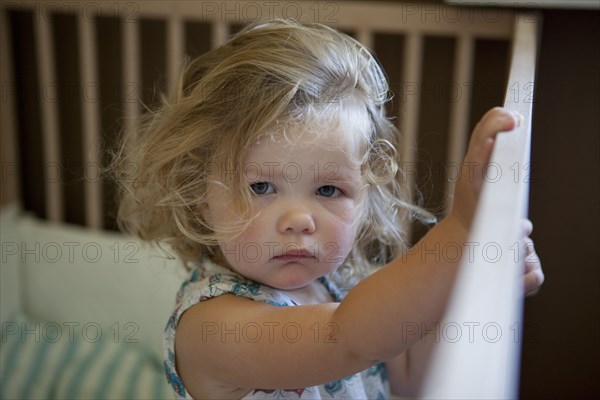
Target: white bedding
column 99, row 290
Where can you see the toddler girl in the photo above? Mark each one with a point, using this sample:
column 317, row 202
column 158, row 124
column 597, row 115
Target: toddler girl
column 273, row 173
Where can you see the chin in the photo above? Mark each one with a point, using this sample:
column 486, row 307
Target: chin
column 292, row 285
column 292, row 282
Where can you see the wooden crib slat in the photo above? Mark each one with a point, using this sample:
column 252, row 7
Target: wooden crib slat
column 132, row 88
column 459, row 112
column 365, row 36
column 91, row 122
column 10, row 158
column 220, row 31
column 49, row 115
column 410, row 97
column 175, row 44
column 487, row 295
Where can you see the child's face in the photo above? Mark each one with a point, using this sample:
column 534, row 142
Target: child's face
column 306, row 207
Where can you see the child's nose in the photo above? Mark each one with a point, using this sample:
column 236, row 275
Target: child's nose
column 296, row 218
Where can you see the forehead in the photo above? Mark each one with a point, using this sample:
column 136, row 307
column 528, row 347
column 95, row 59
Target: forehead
column 335, row 130
column 304, row 148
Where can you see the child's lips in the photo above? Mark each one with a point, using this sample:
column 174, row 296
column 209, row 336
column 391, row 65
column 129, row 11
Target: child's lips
column 291, row 255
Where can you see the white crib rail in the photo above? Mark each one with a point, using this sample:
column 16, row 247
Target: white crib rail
column 479, row 349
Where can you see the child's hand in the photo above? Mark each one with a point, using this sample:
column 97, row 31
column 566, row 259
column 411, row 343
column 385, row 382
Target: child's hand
column 478, row 155
column 470, row 182
column 534, row 276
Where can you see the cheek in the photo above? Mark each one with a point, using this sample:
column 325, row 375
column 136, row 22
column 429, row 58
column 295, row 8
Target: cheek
column 341, row 236
column 345, row 217
column 250, row 239
column 344, row 227
column 253, row 230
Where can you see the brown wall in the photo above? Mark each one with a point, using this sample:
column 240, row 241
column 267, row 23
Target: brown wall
column 561, row 349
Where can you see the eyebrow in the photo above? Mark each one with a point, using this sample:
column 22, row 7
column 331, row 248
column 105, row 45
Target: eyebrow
column 328, row 171
column 339, row 175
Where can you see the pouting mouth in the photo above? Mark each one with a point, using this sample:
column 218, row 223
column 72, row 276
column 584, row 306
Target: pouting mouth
column 295, row 255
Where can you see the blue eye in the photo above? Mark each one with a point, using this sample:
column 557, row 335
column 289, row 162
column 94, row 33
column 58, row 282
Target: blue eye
column 262, row 188
column 328, row 191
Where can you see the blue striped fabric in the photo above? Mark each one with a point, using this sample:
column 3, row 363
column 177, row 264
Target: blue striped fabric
column 33, row 366
column 7, row 358
column 36, row 369
column 134, row 376
column 66, row 357
column 82, row 372
column 109, row 374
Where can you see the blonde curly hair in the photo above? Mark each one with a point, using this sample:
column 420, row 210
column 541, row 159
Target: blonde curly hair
column 267, row 74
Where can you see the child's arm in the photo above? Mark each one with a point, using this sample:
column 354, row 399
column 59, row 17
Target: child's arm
column 308, row 345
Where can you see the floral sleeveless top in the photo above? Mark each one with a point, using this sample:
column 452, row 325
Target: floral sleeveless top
column 213, row 280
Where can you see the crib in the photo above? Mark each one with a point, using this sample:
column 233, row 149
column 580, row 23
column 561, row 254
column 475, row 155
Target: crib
column 75, row 74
